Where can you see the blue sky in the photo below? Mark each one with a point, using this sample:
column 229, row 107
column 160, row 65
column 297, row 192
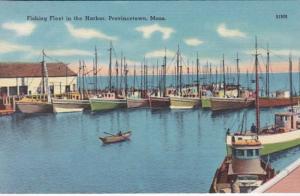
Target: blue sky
column 209, row 28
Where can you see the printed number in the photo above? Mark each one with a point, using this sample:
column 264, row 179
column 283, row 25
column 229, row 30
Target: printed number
column 281, row 16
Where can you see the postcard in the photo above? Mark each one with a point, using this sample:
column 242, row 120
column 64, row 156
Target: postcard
column 149, row 97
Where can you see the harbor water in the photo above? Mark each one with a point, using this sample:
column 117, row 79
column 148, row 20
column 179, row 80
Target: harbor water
column 169, row 151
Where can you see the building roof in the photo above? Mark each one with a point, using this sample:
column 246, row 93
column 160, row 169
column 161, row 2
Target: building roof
column 33, row 69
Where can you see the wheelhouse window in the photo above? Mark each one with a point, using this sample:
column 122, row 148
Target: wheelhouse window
column 240, row 153
column 250, row 153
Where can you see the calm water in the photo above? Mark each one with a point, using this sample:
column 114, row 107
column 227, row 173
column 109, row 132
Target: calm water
column 170, row 151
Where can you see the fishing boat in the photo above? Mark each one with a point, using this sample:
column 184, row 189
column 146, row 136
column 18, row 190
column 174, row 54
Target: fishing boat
column 178, row 102
column 279, row 98
column 159, row 99
column 157, row 102
column 266, row 102
column 222, row 103
column 243, row 170
column 39, row 103
column 116, row 138
column 107, row 101
column 284, row 134
column 186, row 98
column 69, row 105
column 31, row 105
column 136, row 101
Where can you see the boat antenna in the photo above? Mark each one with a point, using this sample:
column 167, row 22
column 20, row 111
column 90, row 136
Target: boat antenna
column 257, row 90
column 43, row 72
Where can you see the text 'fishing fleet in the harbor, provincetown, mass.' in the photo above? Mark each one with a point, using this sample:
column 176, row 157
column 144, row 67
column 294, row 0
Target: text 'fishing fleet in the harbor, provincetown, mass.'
column 94, row 18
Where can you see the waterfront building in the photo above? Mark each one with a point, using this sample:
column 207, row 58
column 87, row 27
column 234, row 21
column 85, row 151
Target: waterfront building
column 26, row 78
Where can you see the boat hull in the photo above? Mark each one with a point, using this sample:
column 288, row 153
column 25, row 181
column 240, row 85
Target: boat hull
column 100, row 104
column 137, row 103
column 114, row 139
column 184, row 102
column 205, row 102
column 159, row 102
column 265, row 102
column 69, row 105
column 34, row 107
column 219, row 104
column 273, row 143
column 222, row 182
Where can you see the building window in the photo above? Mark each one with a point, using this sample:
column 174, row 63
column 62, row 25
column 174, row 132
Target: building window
column 256, row 152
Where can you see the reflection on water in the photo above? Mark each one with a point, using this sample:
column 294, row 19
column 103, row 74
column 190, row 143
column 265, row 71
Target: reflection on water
column 169, row 151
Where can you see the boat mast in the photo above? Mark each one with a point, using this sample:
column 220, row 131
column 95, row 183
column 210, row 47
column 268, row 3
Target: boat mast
column 46, row 75
column 238, row 74
column 109, row 69
column 96, row 70
column 257, row 89
column 125, row 73
column 197, row 62
column 141, row 76
column 134, row 75
column 83, row 77
column 267, row 73
column 291, row 83
column 164, row 73
column 180, row 77
column 299, row 74
column 177, row 70
column 224, row 80
column 80, row 78
column 43, row 72
column 210, row 76
column 117, row 76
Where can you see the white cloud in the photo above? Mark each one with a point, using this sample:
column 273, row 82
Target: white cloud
column 68, row 52
column 150, row 29
column 7, row 47
column 225, row 32
column 160, row 53
column 87, row 33
column 21, row 29
column 193, row 41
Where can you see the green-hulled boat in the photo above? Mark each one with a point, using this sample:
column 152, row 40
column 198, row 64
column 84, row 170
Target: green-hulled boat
column 205, row 102
column 184, row 102
column 107, row 102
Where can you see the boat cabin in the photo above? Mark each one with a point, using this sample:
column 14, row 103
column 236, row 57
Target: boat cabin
column 287, row 121
column 108, row 95
column 245, row 170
